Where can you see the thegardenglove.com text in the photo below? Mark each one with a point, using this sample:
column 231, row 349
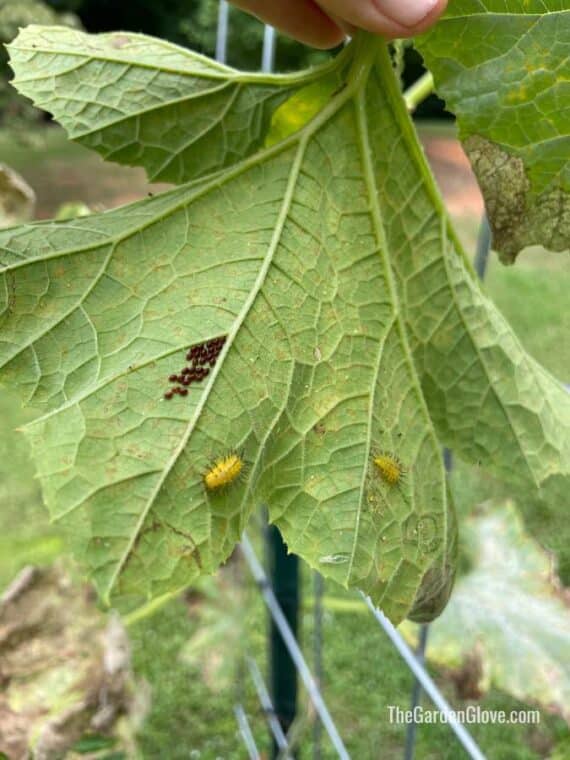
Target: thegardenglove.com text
column 470, row 714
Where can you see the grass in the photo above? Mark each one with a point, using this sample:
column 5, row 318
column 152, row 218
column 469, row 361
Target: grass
column 363, row 676
column 186, row 719
column 363, row 673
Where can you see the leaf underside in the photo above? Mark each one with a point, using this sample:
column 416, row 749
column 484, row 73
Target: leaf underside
column 352, row 325
column 502, row 68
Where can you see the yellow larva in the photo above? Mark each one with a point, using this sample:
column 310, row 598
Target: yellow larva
column 223, row 472
column 390, row 468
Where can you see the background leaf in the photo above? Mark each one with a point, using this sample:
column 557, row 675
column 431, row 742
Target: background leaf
column 502, row 69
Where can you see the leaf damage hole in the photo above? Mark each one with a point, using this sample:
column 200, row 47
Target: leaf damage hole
column 202, row 357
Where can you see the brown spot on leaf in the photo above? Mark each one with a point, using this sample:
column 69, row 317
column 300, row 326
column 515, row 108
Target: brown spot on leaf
column 519, row 217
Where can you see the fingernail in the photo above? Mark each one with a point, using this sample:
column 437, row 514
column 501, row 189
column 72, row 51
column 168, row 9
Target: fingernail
column 406, row 12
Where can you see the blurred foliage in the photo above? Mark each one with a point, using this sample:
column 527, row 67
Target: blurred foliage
column 217, row 646
column 508, row 621
column 72, row 210
column 66, row 669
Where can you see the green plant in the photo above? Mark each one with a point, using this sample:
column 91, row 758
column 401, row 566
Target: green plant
column 307, row 232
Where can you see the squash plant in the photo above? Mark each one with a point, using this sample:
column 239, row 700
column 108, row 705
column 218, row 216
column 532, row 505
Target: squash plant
column 295, row 323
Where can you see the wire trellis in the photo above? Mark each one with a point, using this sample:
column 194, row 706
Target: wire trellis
column 293, row 647
column 414, row 661
column 268, row 709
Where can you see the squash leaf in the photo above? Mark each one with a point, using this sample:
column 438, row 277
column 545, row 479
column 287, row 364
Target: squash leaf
column 333, row 310
column 502, row 68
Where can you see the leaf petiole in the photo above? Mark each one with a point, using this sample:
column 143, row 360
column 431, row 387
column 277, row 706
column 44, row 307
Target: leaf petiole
column 419, row 91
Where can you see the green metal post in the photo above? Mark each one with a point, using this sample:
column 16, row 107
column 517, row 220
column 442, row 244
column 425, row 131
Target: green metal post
column 284, row 575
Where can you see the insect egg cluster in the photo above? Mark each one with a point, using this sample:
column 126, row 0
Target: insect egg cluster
column 201, row 358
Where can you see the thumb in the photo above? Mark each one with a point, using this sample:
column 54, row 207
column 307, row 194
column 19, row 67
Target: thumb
column 391, row 18
column 408, row 13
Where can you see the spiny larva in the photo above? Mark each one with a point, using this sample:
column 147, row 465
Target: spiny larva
column 390, row 468
column 224, row 471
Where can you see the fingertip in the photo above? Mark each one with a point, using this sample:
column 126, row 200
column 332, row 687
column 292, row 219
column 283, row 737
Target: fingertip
column 388, row 18
column 303, row 20
column 324, row 38
column 314, row 27
column 421, row 26
column 429, row 20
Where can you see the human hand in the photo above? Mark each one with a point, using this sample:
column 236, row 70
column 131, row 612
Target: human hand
column 326, row 23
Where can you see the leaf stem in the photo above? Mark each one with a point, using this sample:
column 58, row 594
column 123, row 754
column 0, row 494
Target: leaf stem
column 364, row 45
column 150, row 608
column 411, row 139
column 419, row 91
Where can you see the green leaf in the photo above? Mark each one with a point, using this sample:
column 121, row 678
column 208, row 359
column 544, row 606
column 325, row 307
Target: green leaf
column 488, row 399
column 507, row 619
column 141, row 101
column 326, row 261
column 285, row 255
column 502, row 68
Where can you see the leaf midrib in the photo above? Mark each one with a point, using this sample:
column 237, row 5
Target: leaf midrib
column 448, row 235
column 204, row 187
column 382, row 64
